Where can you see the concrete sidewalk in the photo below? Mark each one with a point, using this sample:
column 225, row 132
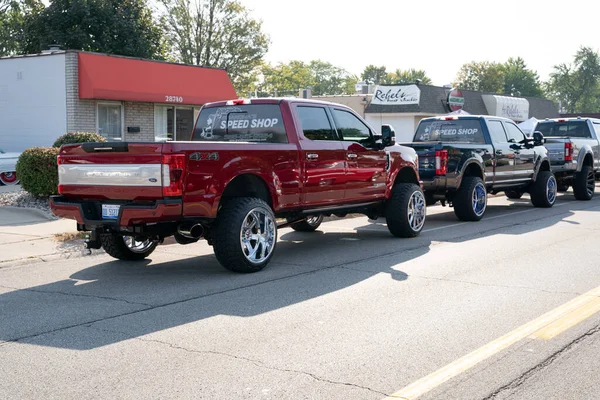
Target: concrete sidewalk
column 27, row 234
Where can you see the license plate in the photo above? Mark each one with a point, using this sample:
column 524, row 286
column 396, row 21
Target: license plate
column 110, row 211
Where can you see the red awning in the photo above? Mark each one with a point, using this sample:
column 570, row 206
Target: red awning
column 105, row 77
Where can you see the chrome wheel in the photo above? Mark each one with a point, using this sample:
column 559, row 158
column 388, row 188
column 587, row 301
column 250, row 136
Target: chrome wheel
column 257, row 236
column 479, row 199
column 314, row 220
column 9, row 178
column 551, row 189
column 416, row 211
column 590, row 183
column 137, row 246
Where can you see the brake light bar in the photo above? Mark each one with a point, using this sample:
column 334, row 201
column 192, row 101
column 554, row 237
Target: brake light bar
column 568, row 151
column 238, row 102
column 441, row 162
column 173, row 174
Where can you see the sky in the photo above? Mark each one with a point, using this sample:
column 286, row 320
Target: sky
column 433, row 35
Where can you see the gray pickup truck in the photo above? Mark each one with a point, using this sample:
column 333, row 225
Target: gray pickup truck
column 574, row 152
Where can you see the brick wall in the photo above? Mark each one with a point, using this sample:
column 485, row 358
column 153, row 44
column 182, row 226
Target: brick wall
column 81, row 114
column 140, row 115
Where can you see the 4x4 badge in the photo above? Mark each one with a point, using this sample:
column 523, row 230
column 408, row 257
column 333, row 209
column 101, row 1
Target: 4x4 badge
column 204, row 156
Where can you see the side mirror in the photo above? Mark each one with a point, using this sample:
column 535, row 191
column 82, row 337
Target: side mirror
column 538, row 138
column 388, row 135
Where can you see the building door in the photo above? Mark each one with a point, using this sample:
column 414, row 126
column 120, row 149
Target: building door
column 173, row 123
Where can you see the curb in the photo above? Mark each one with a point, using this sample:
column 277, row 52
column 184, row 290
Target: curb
column 41, row 213
column 50, row 257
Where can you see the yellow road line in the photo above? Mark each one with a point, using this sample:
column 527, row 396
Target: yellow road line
column 568, row 321
column 581, row 306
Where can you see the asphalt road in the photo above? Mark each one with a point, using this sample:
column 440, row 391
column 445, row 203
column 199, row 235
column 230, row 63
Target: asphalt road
column 502, row 308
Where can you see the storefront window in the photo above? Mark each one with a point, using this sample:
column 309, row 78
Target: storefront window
column 110, row 121
column 173, row 123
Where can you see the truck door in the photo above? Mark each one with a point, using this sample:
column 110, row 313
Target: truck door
column 322, row 155
column 504, row 155
column 524, row 157
column 366, row 174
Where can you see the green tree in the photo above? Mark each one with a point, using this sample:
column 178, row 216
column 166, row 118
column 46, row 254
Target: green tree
column 481, row 76
column 577, row 86
column 323, row 78
column 123, row 27
column 519, row 80
column 329, row 79
column 14, row 15
column 375, row 75
column 284, row 79
column 410, row 76
column 217, row 33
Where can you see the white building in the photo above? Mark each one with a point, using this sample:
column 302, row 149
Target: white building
column 43, row 96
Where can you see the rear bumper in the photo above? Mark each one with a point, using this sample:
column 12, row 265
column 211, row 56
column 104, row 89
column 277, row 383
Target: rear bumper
column 435, row 184
column 563, row 167
column 88, row 212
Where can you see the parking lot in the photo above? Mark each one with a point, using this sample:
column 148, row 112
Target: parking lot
column 345, row 312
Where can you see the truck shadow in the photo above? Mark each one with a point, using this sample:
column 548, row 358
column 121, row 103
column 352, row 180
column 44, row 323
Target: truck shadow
column 116, row 301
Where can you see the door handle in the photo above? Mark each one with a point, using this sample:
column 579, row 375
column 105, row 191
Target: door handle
column 352, row 155
column 312, row 156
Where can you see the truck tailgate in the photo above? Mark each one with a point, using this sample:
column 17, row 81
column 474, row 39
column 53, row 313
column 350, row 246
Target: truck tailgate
column 111, row 171
column 556, row 149
column 427, row 158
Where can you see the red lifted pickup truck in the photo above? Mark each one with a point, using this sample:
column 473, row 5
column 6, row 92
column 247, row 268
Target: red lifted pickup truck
column 251, row 167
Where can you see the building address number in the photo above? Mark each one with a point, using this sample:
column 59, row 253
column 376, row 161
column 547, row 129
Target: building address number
column 174, row 99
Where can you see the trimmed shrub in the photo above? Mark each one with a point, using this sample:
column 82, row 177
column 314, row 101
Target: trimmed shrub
column 78, row 137
column 38, row 172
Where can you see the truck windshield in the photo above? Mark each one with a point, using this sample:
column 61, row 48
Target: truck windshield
column 463, row 131
column 241, row 123
column 578, row 129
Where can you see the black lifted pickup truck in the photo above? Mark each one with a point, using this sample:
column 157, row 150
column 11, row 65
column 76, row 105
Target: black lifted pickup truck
column 463, row 158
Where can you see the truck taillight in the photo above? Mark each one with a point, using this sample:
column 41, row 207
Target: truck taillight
column 173, row 173
column 568, row 151
column 441, row 162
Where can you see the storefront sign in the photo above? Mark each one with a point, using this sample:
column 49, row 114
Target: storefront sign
column 396, row 95
column 515, row 108
column 456, row 101
column 513, row 112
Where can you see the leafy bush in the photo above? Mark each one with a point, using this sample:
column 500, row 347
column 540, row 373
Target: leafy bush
column 38, row 172
column 78, row 137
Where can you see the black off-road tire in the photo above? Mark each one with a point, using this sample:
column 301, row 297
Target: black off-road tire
column 463, row 199
column 308, row 225
column 397, row 210
column 584, row 183
column 538, row 193
column 114, row 245
column 512, row 194
column 227, row 242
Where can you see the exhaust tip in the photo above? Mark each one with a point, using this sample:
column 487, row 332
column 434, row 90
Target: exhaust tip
column 191, row 231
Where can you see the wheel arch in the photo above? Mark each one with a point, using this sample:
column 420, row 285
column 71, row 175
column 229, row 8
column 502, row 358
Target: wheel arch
column 406, row 175
column 471, row 167
column 248, row 185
